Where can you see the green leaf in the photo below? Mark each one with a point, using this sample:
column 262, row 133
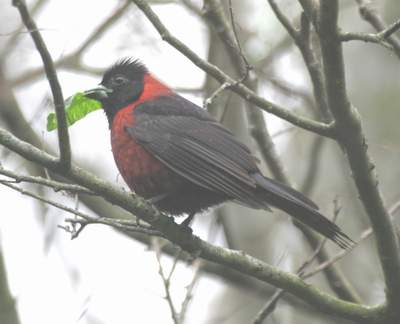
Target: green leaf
column 76, row 108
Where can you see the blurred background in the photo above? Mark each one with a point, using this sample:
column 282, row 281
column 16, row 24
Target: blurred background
column 105, row 276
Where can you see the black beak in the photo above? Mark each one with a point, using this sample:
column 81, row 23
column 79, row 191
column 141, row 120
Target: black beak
column 99, row 93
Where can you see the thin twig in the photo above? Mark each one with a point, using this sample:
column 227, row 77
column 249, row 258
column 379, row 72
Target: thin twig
column 364, row 235
column 208, row 101
column 166, row 281
column 197, row 265
column 55, row 185
column 231, row 40
column 271, row 304
column 84, row 218
column 302, row 39
column 248, row 66
column 291, row 30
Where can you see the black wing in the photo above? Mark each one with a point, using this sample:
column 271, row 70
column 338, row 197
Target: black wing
column 195, row 146
column 198, row 148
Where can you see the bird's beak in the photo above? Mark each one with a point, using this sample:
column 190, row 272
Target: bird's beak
column 98, row 93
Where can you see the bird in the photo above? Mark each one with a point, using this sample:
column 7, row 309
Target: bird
column 175, row 154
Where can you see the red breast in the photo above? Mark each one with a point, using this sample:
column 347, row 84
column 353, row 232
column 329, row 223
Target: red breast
column 139, row 169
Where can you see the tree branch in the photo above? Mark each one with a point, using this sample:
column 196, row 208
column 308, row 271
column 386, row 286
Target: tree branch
column 364, row 235
column 173, row 232
column 62, row 130
column 365, row 37
column 56, row 185
column 167, row 280
column 10, row 113
column 352, row 139
column 216, row 17
column 370, row 15
column 305, row 123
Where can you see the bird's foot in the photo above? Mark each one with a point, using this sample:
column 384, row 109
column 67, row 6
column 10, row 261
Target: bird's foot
column 187, row 221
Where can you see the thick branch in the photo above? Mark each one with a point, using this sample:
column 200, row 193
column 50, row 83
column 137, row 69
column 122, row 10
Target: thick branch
column 173, row 232
column 352, row 139
column 216, row 17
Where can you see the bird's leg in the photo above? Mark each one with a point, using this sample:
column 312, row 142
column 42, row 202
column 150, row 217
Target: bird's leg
column 186, row 222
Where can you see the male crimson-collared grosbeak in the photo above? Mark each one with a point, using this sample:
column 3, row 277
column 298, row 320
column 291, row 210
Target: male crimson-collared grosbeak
column 172, row 152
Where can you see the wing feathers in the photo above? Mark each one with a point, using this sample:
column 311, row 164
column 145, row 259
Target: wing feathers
column 200, row 150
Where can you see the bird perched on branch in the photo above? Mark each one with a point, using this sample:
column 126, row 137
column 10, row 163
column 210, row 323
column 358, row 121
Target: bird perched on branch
column 172, row 152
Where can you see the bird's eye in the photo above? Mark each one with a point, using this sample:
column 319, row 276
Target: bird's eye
column 119, row 80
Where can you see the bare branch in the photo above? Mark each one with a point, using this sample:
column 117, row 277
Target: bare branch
column 247, row 65
column 55, row 185
column 302, row 39
column 189, row 290
column 370, row 14
column 84, row 219
column 167, row 280
column 353, row 142
column 305, row 123
column 62, row 129
column 387, row 32
column 364, row 235
column 270, row 306
column 292, row 31
column 259, row 131
column 173, row 232
column 365, row 37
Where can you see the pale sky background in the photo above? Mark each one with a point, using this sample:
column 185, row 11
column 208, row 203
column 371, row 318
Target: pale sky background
column 102, row 274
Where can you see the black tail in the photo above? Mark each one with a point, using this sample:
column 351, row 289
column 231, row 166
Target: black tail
column 301, row 208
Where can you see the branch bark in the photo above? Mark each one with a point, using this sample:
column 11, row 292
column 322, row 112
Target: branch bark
column 352, row 140
column 62, row 129
column 369, row 14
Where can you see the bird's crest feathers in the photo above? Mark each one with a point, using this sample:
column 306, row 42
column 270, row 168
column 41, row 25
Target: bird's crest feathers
column 127, row 66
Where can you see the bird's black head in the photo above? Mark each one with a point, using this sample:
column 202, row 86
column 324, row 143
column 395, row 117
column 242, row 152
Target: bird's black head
column 122, row 84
